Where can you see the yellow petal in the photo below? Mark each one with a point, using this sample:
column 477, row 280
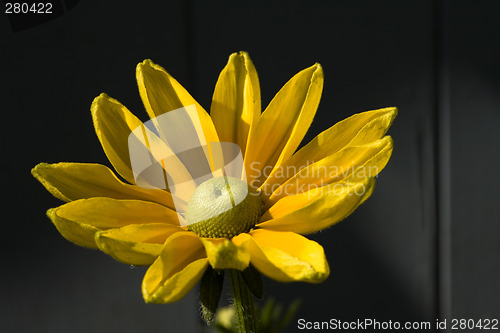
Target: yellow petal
column 106, row 213
column 78, row 233
column 374, row 165
column 161, row 93
column 179, row 267
column 113, row 124
column 284, row 123
column 236, row 100
column 318, row 208
column 351, row 160
column 222, row 253
column 73, row 181
column 359, row 129
column 78, row 221
column 287, row 256
column 135, row 244
column 375, row 128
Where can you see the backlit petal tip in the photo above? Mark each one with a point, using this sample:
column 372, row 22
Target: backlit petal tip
column 113, row 123
column 353, row 163
column 161, row 93
column 73, row 181
column 147, row 63
column 235, row 107
column 284, row 123
column 288, row 257
column 77, row 233
column 240, row 54
column 38, row 173
column 243, row 54
column 359, row 129
column 393, row 111
column 318, row 67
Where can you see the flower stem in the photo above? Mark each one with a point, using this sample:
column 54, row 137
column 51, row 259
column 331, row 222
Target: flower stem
column 243, row 303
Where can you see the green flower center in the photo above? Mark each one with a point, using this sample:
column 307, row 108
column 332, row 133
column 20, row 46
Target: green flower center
column 223, row 207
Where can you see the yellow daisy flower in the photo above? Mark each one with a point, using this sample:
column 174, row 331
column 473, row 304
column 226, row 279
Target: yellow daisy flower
column 301, row 192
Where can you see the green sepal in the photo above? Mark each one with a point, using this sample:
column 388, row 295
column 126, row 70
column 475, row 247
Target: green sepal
column 253, row 280
column 210, row 291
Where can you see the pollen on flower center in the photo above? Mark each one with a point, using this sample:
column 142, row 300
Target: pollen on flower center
column 223, row 207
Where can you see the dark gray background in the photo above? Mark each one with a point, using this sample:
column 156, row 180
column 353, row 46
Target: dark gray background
column 426, row 246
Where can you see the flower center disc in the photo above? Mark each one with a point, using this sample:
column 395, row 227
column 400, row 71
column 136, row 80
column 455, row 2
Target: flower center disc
column 223, row 207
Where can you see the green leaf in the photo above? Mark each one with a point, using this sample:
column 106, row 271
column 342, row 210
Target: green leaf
column 210, row 291
column 253, row 280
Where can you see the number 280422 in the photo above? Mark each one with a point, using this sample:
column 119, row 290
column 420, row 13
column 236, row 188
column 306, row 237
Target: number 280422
column 28, row 8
